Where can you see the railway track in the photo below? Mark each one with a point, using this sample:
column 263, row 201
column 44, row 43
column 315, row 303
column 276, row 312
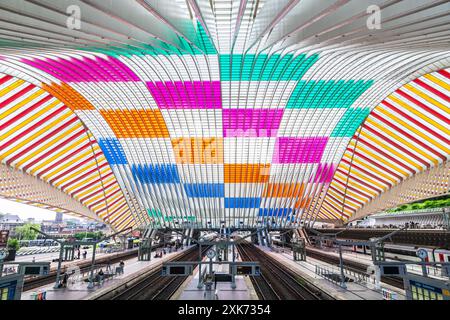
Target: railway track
column 154, row 286
column 352, row 265
column 276, row 281
column 34, row 282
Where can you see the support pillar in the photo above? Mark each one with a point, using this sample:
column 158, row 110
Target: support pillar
column 268, row 239
column 299, row 250
column 91, row 275
column 446, row 218
column 341, row 266
column 260, row 240
column 58, row 271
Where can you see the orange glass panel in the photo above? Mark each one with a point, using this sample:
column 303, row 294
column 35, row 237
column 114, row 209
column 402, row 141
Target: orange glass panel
column 136, row 123
column 303, row 203
column 69, row 96
column 283, row 190
column 250, row 173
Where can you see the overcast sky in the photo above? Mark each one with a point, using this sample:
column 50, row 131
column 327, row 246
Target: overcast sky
column 25, row 211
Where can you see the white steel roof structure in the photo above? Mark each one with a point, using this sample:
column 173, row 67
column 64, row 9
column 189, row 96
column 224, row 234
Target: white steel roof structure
column 223, row 111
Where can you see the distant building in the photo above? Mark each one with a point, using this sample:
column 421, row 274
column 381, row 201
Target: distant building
column 10, row 222
column 59, row 217
column 72, row 221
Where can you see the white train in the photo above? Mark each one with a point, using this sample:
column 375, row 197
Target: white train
column 396, row 251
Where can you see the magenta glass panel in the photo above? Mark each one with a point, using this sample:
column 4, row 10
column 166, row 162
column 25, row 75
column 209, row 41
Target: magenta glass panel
column 299, row 150
column 324, row 173
column 251, row 122
column 186, row 94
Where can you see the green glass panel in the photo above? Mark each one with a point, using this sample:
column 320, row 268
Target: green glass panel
column 263, row 67
column 350, row 122
column 327, row 93
column 156, row 213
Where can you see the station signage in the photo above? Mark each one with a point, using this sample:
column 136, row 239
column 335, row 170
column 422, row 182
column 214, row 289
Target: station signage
column 4, row 235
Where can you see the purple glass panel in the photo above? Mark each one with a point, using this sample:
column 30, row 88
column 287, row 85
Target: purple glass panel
column 186, row 94
column 251, row 122
column 299, row 150
column 324, row 173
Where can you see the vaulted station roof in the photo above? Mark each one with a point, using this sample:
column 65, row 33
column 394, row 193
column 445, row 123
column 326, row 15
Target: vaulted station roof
column 406, row 134
column 42, row 137
column 223, row 111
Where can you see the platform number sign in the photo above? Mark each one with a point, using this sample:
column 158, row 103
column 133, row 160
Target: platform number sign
column 422, row 254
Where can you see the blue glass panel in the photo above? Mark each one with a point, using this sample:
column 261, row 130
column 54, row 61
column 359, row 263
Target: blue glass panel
column 204, row 190
column 274, row 212
column 155, row 173
column 113, row 151
column 242, row 202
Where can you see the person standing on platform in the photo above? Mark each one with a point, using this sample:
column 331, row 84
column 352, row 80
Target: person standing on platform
column 65, row 280
column 78, row 253
column 100, row 276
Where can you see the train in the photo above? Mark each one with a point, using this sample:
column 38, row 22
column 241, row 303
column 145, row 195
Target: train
column 396, row 251
column 209, row 236
column 392, row 251
column 38, row 243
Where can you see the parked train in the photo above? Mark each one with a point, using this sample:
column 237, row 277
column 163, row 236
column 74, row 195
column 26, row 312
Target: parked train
column 392, row 251
column 397, row 251
column 209, row 237
column 38, row 243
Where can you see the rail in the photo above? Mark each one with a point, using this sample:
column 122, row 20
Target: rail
column 150, row 285
column 278, row 282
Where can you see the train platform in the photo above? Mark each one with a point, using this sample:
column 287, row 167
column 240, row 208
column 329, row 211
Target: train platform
column 354, row 291
column 44, row 257
column 78, row 290
column 244, row 289
column 367, row 260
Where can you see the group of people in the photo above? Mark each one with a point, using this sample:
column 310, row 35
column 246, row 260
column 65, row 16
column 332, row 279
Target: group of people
column 79, row 253
column 159, row 254
column 99, row 277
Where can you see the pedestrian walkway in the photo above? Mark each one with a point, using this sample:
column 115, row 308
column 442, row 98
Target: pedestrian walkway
column 79, row 290
column 433, row 272
column 222, row 291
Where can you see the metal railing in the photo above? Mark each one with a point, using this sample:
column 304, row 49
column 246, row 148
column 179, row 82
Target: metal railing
column 333, row 275
column 328, row 275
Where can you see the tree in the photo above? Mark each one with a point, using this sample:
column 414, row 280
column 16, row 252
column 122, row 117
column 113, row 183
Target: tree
column 13, row 244
column 26, row 233
column 93, row 235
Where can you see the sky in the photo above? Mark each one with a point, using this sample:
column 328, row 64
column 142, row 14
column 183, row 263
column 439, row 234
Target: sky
column 25, row 211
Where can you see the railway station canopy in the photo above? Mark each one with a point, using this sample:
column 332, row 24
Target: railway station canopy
column 213, row 112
